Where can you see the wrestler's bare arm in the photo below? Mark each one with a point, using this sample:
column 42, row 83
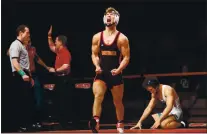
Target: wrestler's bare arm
column 95, row 50
column 149, row 108
column 123, row 44
column 40, row 61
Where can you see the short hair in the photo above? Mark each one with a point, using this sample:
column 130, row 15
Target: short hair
column 21, row 28
column 147, row 79
column 154, row 83
column 63, row 39
column 110, row 9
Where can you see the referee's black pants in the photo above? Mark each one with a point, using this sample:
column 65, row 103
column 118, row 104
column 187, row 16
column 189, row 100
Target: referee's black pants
column 22, row 99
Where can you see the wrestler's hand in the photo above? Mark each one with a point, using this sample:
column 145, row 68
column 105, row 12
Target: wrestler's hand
column 138, row 125
column 32, row 82
column 115, row 72
column 48, row 68
column 156, row 124
column 52, row 70
column 25, row 78
column 98, row 70
column 50, row 31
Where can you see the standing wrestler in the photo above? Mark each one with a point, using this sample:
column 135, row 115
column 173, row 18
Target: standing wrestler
column 171, row 117
column 38, row 90
column 107, row 48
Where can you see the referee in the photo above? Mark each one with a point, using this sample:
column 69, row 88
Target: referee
column 22, row 94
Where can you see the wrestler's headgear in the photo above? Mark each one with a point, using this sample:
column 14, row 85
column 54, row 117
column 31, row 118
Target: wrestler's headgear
column 116, row 14
column 154, row 83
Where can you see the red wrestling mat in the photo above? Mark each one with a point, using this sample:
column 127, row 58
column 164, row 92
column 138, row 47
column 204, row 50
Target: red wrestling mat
column 200, row 130
column 110, row 128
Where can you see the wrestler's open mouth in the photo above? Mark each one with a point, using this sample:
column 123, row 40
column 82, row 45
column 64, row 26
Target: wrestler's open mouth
column 108, row 20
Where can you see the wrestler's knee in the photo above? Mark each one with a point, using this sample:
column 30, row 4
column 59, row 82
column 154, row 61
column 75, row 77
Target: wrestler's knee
column 99, row 97
column 163, row 125
column 118, row 102
column 99, row 90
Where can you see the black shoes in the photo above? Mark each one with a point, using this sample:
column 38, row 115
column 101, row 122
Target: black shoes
column 93, row 126
column 31, row 128
column 184, row 124
column 22, row 129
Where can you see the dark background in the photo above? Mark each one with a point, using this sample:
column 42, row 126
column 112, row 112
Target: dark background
column 163, row 36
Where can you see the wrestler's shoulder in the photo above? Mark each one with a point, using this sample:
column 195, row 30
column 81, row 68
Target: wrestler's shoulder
column 97, row 36
column 122, row 38
column 169, row 89
column 167, row 86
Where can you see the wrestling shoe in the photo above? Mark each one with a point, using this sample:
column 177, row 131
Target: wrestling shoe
column 184, row 124
column 94, row 124
column 120, row 127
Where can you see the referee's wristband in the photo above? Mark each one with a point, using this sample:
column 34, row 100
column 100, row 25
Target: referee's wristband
column 21, row 72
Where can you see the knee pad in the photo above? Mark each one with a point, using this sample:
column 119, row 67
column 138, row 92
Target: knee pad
column 148, row 122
